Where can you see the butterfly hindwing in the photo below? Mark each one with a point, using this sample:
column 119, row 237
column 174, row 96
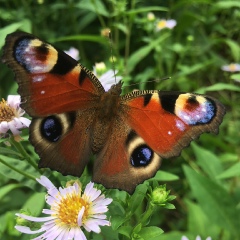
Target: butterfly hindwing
column 125, row 160
column 63, row 141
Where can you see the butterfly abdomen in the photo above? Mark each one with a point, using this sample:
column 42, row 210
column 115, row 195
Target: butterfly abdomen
column 108, row 111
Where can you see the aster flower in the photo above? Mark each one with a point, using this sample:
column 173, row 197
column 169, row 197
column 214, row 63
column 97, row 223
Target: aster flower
column 70, row 211
column 197, row 238
column 233, row 67
column 162, row 23
column 107, row 78
column 11, row 116
column 73, row 52
column 151, row 17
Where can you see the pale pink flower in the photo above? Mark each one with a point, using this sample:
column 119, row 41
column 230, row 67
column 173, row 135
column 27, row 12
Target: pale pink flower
column 197, row 238
column 106, row 77
column 73, row 52
column 70, row 211
column 11, row 116
column 233, row 67
column 163, row 23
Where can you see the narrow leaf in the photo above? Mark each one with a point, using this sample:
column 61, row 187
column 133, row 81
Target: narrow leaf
column 233, row 171
column 215, row 201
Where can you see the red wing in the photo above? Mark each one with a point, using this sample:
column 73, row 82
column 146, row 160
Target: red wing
column 63, row 141
column 169, row 121
column 125, row 160
column 49, row 80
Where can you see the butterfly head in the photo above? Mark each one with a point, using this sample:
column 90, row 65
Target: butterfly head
column 116, row 89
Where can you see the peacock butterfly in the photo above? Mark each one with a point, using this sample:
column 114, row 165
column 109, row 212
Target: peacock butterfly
column 73, row 117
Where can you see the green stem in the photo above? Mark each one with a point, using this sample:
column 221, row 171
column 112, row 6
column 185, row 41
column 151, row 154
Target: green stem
column 148, row 213
column 128, row 36
column 100, row 18
column 17, row 170
column 21, row 150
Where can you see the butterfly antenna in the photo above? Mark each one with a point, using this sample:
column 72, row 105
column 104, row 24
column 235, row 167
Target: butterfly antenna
column 111, row 50
column 155, row 80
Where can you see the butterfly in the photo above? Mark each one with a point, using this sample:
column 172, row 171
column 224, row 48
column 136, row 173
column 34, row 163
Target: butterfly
column 73, row 117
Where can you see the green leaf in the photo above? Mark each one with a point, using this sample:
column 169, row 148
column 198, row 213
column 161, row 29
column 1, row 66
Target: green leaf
column 199, row 222
column 117, row 221
column 235, row 77
column 186, row 70
column 6, row 151
column 141, row 53
column 226, row 4
column 233, row 171
column 90, row 38
column 35, row 203
column 8, row 29
column 215, row 201
column 137, row 228
column 235, row 49
column 22, row 166
column 95, row 6
column 6, row 189
column 138, row 197
column 151, row 233
column 164, row 176
column 207, row 161
column 24, row 24
column 146, row 9
column 219, row 87
column 126, row 231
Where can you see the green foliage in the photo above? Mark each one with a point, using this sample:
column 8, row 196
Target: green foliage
column 207, row 186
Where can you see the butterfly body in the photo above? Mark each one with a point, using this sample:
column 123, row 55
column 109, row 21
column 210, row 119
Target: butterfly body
column 74, row 117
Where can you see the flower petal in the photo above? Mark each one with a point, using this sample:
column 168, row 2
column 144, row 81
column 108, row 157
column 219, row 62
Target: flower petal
column 34, row 219
column 27, row 230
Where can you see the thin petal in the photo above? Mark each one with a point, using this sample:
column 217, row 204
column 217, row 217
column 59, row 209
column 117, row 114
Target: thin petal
column 4, row 127
column 13, row 129
column 80, row 215
column 25, row 121
column 14, row 100
column 34, row 219
column 92, row 225
column 88, row 188
column 27, row 230
column 79, row 235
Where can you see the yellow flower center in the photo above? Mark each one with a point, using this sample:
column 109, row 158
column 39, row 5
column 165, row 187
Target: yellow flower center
column 7, row 113
column 232, row 67
column 162, row 24
column 69, row 208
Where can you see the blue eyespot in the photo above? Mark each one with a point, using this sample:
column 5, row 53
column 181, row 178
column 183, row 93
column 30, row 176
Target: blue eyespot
column 51, row 129
column 141, row 156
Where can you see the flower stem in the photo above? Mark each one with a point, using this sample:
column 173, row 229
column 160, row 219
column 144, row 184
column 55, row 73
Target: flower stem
column 22, row 151
column 17, row 170
column 148, row 213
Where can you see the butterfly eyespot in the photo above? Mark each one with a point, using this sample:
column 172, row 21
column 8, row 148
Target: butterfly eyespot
column 141, row 156
column 51, row 128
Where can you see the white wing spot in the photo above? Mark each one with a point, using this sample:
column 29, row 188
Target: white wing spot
column 36, row 68
column 180, row 125
column 38, row 78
